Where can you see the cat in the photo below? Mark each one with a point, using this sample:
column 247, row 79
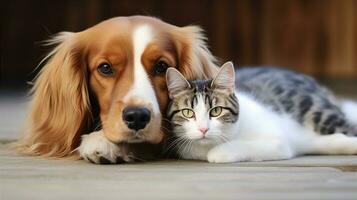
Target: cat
column 264, row 114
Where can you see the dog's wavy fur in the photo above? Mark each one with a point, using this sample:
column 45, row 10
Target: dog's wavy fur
column 61, row 109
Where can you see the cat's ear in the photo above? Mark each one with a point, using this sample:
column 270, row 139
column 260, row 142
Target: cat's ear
column 225, row 78
column 176, row 82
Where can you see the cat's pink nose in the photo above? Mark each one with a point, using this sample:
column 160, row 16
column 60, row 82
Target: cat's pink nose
column 203, row 130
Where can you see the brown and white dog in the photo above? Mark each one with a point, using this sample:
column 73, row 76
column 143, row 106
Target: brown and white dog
column 115, row 70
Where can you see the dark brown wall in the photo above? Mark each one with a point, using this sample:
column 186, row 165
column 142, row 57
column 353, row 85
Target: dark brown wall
column 312, row 36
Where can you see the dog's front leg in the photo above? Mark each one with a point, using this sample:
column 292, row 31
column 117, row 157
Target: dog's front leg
column 96, row 148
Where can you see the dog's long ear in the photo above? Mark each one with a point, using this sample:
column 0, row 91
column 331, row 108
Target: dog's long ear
column 195, row 59
column 60, row 103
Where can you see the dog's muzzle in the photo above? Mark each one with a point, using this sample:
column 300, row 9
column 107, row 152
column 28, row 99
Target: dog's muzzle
column 136, row 118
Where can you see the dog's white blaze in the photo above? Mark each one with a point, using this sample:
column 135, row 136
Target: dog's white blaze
column 142, row 87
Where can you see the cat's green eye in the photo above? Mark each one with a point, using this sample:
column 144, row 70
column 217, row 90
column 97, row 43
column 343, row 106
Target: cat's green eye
column 216, row 111
column 188, row 113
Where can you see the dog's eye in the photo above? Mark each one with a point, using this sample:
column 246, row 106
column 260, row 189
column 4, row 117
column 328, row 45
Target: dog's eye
column 160, row 67
column 105, row 69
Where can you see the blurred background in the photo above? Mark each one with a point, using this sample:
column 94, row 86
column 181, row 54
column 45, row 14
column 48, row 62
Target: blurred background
column 317, row 37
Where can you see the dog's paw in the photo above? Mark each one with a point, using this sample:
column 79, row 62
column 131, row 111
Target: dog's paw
column 96, row 148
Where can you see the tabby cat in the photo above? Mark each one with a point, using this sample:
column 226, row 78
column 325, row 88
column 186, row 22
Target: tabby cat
column 272, row 114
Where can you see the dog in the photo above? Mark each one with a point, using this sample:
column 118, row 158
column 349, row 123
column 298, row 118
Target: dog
column 104, row 88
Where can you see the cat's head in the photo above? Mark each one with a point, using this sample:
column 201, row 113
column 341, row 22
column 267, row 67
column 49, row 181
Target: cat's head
column 202, row 110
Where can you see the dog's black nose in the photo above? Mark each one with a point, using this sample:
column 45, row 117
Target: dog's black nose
column 136, row 118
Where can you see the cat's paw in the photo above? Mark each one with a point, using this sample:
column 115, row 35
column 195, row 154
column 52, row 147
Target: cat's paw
column 96, row 148
column 222, row 154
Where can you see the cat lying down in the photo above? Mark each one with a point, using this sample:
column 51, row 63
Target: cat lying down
column 262, row 114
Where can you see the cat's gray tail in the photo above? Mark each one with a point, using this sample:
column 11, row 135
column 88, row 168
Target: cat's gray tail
column 349, row 107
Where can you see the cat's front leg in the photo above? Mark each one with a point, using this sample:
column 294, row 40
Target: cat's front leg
column 96, row 148
column 237, row 151
column 223, row 153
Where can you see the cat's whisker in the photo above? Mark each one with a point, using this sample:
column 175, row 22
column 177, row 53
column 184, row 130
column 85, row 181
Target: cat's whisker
column 173, row 144
column 165, row 128
column 191, row 144
column 188, row 145
column 136, row 158
column 180, row 152
column 183, row 145
column 176, row 143
column 221, row 138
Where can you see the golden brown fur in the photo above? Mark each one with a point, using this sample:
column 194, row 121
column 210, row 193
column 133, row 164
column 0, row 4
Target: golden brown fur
column 61, row 109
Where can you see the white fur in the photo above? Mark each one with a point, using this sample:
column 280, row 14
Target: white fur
column 334, row 144
column 96, row 145
column 261, row 134
column 201, row 119
column 350, row 110
column 200, row 143
column 142, row 87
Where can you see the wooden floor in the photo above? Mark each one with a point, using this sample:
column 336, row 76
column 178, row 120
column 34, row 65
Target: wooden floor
column 309, row 177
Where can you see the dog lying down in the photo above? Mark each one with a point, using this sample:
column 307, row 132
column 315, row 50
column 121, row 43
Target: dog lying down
column 102, row 95
column 110, row 77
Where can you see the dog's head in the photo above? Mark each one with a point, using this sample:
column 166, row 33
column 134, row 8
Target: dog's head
column 120, row 62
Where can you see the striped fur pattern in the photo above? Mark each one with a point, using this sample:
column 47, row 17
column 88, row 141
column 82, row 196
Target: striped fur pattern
column 214, row 108
column 280, row 115
column 201, row 90
column 298, row 95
